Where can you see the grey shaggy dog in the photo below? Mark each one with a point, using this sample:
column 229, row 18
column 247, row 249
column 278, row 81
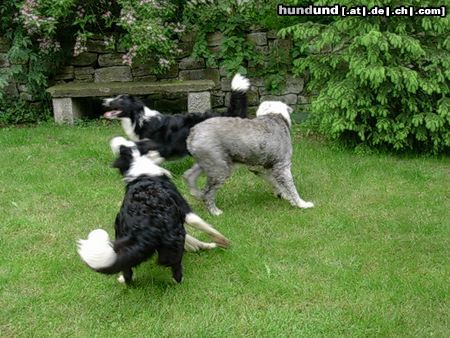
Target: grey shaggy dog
column 263, row 143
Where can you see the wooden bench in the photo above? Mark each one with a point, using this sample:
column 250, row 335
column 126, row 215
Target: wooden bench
column 68, row 105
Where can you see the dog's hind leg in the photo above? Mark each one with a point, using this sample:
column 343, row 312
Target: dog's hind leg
column 209, row 194
column 284, row 183
column 268, row 177
column 126, row 276
column 172, row 256
column 216, row 172
column 193, row 244
column 190, row 177
column 196, row 222
column 177, row 272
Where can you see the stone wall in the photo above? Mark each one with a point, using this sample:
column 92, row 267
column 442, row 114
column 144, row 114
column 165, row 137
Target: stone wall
column 100, row 64
column 12, row 88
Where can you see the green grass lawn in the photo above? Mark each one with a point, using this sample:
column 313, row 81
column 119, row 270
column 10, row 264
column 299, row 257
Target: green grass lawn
column 371, row 259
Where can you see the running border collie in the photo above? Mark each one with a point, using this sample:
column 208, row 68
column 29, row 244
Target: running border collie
column 150, row 220
column 169, row 132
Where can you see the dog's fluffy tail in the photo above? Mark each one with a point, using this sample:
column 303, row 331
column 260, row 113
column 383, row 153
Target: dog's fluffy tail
column 104, row 256
column 238, row 100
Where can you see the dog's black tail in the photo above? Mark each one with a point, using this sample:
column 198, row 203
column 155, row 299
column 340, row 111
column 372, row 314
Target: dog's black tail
column 238, row 100
column 107, row 257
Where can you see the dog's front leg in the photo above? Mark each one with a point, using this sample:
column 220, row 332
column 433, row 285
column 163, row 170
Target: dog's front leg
column 190, row 177
column 286, row 187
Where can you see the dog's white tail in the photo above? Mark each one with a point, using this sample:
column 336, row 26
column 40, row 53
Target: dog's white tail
column 240, row 83
column 97, row 250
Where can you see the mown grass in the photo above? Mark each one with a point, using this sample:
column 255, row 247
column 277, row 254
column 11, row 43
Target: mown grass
column 371, row 259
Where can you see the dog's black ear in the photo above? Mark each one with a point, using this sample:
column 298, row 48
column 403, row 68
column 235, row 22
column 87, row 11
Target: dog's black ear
column 123, row 161
column 134, row 103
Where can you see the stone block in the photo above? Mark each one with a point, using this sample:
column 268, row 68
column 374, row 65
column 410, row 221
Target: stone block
column 303, row 99
column 191, row 63
column 113, row 74
column 256, row 81
column 289, row 99
column 111, row 59
column 251, row 111
column 214, row 49
column 262, row 50
column 201, row 74
column 217, row 100
column 223, row 72
column 259, row 38
column 85, row 59
column 26, row 96
column 83, row 70
column 84, row 74
column 294, row 85
column 143, row 69
column 66, row 110
column 97, row 46
column 199, row 102
column 225, row 84
column 4, row 62
column 146, row 78
column 215, row 39
column 170, row 73
column 272, row 34
column 67, row 73
column 252, row 98
column 185, row 49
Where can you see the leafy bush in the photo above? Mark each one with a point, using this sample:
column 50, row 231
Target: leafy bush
column 380, row 81
column 14, row 111
column 236, row 54
column 44, row 34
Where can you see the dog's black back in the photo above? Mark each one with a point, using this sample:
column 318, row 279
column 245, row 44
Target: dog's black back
column 152, row 219
column 169, row 132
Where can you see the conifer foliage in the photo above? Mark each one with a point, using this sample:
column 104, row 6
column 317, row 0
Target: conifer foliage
column 381, row 81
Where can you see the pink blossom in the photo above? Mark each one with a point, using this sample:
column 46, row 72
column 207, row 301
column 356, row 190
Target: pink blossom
column 80, row 46
column 128, row 57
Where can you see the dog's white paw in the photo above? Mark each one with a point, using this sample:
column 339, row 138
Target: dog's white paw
column 210, row 246
column 215, row 211
column 306, row 205
column 121, row 279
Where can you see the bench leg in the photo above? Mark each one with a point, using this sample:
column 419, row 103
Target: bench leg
column 199, row 102
column 66, row 110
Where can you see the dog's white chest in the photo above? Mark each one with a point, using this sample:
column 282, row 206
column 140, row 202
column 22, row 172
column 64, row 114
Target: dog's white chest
column 128, row 127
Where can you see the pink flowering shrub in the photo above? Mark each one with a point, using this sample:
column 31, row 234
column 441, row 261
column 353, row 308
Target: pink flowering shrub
column 45, row 34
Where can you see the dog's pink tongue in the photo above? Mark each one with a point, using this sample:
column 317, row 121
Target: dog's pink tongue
column 107, row 114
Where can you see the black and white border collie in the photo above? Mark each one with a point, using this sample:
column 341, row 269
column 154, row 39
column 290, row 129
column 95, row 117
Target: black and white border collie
column 150, row 219
column 169, row 132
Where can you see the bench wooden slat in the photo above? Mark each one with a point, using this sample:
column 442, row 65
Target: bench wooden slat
column 133, row 88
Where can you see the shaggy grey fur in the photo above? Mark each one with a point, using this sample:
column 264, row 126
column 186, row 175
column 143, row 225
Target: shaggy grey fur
column 264, row 142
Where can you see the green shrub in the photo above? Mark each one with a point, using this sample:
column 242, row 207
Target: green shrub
column 17, row 111
column 236, row 54
column 380, row 81
column 45, row 34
